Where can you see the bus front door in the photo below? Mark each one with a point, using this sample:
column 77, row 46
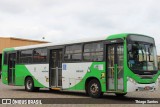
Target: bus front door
column 11, row 68
column 114, row 68
column 55, row 74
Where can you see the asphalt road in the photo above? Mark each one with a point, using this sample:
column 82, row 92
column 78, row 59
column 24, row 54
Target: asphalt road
column 66, row 97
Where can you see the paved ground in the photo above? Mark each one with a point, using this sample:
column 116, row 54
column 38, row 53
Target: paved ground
column 19, row 92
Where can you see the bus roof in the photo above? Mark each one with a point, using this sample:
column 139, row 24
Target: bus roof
column 59, row 43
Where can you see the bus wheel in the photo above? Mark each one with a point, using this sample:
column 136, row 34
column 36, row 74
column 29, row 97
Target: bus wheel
column 29, row 84
column 94, row 89
column 120, row 94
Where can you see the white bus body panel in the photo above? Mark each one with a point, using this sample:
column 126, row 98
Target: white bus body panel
column 40, row 73
column 73, row 73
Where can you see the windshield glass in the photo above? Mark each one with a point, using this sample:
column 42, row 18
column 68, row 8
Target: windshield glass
column 142, row 56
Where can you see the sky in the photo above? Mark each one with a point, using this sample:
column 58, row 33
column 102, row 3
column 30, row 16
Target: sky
column 62, row 20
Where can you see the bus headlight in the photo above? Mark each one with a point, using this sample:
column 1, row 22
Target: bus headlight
column 131, row 80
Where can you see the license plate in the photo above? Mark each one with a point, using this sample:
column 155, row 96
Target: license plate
column 147, row 88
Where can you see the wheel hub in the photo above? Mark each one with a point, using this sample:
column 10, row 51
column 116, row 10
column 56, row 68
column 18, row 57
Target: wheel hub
column 29, row 84
column 94, row 88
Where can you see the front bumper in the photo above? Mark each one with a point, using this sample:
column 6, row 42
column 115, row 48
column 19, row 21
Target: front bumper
column 133, row 86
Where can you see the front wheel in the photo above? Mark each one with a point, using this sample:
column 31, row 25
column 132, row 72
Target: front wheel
column 94, row 89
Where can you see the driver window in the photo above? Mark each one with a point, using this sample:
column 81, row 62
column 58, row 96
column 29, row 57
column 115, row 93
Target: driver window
column 133, row 54
column 130, row 51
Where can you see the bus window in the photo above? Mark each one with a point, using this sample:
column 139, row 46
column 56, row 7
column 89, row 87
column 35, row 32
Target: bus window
column 93, row 52
column 40, row 55
column 25, row 56
column 73, row 53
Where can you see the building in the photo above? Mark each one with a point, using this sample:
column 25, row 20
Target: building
column 8, row 42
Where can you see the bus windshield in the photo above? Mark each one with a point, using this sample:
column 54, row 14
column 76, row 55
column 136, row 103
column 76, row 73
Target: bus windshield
column 142, row 56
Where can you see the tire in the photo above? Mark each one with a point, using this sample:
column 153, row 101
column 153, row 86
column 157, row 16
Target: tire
column 86, row 90
column 29, row 85
column 120, row 94
column 94, row 89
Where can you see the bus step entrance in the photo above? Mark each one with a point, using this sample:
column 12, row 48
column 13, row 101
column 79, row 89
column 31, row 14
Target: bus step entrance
column 58, row 89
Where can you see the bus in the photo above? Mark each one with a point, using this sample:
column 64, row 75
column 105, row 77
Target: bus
column 119, row 64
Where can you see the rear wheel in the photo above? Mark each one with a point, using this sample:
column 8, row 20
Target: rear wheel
column 29, row 85
column 94, row 89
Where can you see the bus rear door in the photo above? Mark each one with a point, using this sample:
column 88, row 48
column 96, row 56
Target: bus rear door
column 11, row 68
column 55, row 73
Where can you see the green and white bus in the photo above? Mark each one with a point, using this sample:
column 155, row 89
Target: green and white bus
column 119, row 64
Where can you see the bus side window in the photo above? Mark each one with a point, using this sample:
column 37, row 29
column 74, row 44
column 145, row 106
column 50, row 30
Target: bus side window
column 40, row 55
column 26, row 56
column 73, row 53
column 93, row 52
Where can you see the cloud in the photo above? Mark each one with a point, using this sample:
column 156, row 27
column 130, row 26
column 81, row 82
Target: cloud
column 58, row 20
